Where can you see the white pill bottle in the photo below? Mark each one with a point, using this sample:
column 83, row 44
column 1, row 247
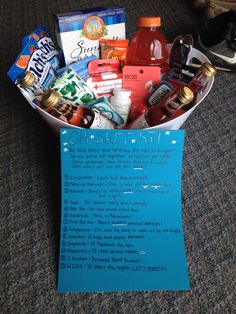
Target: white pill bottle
column 121, row 102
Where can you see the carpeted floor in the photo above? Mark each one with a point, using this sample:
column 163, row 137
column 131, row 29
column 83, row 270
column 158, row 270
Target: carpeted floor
column 30, row 185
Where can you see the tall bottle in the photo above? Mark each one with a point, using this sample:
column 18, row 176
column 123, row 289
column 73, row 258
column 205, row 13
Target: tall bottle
column 57, row 106
column 148, row 46
column 202, row 77
column 165, row 111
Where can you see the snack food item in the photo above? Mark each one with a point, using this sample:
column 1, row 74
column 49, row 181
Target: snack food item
column 45, row 43
column 78, row 33
column 71, row 87
column 114, row 49
column 32, row 59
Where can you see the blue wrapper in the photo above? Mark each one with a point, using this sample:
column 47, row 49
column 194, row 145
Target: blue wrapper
column 80, row 67
column 45, row 43
column 34, row 60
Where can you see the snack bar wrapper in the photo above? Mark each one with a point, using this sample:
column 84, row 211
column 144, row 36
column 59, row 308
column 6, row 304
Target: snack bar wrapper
column 32, row 59
column 45, row 43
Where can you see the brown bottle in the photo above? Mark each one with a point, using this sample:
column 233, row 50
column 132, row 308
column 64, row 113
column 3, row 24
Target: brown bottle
column 87, row 118
column 202, row 77
column 165, row 111
column 57, row 106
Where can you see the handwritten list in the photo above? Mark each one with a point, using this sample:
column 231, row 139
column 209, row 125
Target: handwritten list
column 121, row 226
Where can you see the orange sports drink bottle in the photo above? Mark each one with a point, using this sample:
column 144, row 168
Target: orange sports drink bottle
column 148, row 46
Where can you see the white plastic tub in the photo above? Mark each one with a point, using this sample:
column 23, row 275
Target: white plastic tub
column 174, row 124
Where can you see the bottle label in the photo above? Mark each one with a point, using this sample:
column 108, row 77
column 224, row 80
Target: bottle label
column 101, row 122
column 159, row 93
column 139, row 123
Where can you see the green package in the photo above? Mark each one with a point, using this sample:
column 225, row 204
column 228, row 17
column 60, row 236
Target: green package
column 71, row 87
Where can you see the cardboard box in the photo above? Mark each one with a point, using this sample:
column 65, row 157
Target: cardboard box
column 78, row 33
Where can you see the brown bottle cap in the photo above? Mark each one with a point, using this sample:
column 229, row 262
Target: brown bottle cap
column 27, row 80
column 185, row 95
column 149, row 21
column 50, row 98
column 208, row 69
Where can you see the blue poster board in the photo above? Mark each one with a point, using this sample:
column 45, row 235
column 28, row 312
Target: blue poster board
column 121, row 222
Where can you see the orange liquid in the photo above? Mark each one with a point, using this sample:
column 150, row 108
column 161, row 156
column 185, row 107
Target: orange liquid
column 148, row 47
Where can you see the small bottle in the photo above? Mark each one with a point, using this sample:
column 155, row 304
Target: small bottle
column 165, row 111
column 57, row 106
column 121, row 102
column 148, row 46
column 32, row 88
column 29, row 82
column 203, row 75
column 88, row 118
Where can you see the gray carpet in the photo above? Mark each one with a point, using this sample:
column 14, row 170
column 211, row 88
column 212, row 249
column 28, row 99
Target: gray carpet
column 30, row 185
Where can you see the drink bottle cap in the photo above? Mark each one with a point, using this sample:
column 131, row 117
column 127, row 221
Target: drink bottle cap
column 121, row 92
column 185, row 95
column 50, row 98
column 27, row 79
column 149, row 21
column 209, row 69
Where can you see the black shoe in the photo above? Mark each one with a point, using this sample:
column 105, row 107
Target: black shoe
column 216, row 38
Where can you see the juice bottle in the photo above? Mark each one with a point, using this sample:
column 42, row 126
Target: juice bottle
column 148, row 46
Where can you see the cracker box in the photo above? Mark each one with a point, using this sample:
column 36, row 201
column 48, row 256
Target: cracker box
column 78, row 33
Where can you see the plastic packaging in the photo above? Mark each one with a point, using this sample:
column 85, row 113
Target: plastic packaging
column 148, row 46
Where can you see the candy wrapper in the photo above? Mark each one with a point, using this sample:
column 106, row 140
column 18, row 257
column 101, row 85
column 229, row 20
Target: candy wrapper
column 114, row 49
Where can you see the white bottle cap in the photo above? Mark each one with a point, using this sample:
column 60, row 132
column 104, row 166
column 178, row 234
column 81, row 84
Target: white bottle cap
column 122, row 92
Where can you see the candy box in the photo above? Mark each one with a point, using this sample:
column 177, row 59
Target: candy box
column 78, row 32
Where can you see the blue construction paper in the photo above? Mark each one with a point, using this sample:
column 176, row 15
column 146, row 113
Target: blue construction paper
column 121, row 222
